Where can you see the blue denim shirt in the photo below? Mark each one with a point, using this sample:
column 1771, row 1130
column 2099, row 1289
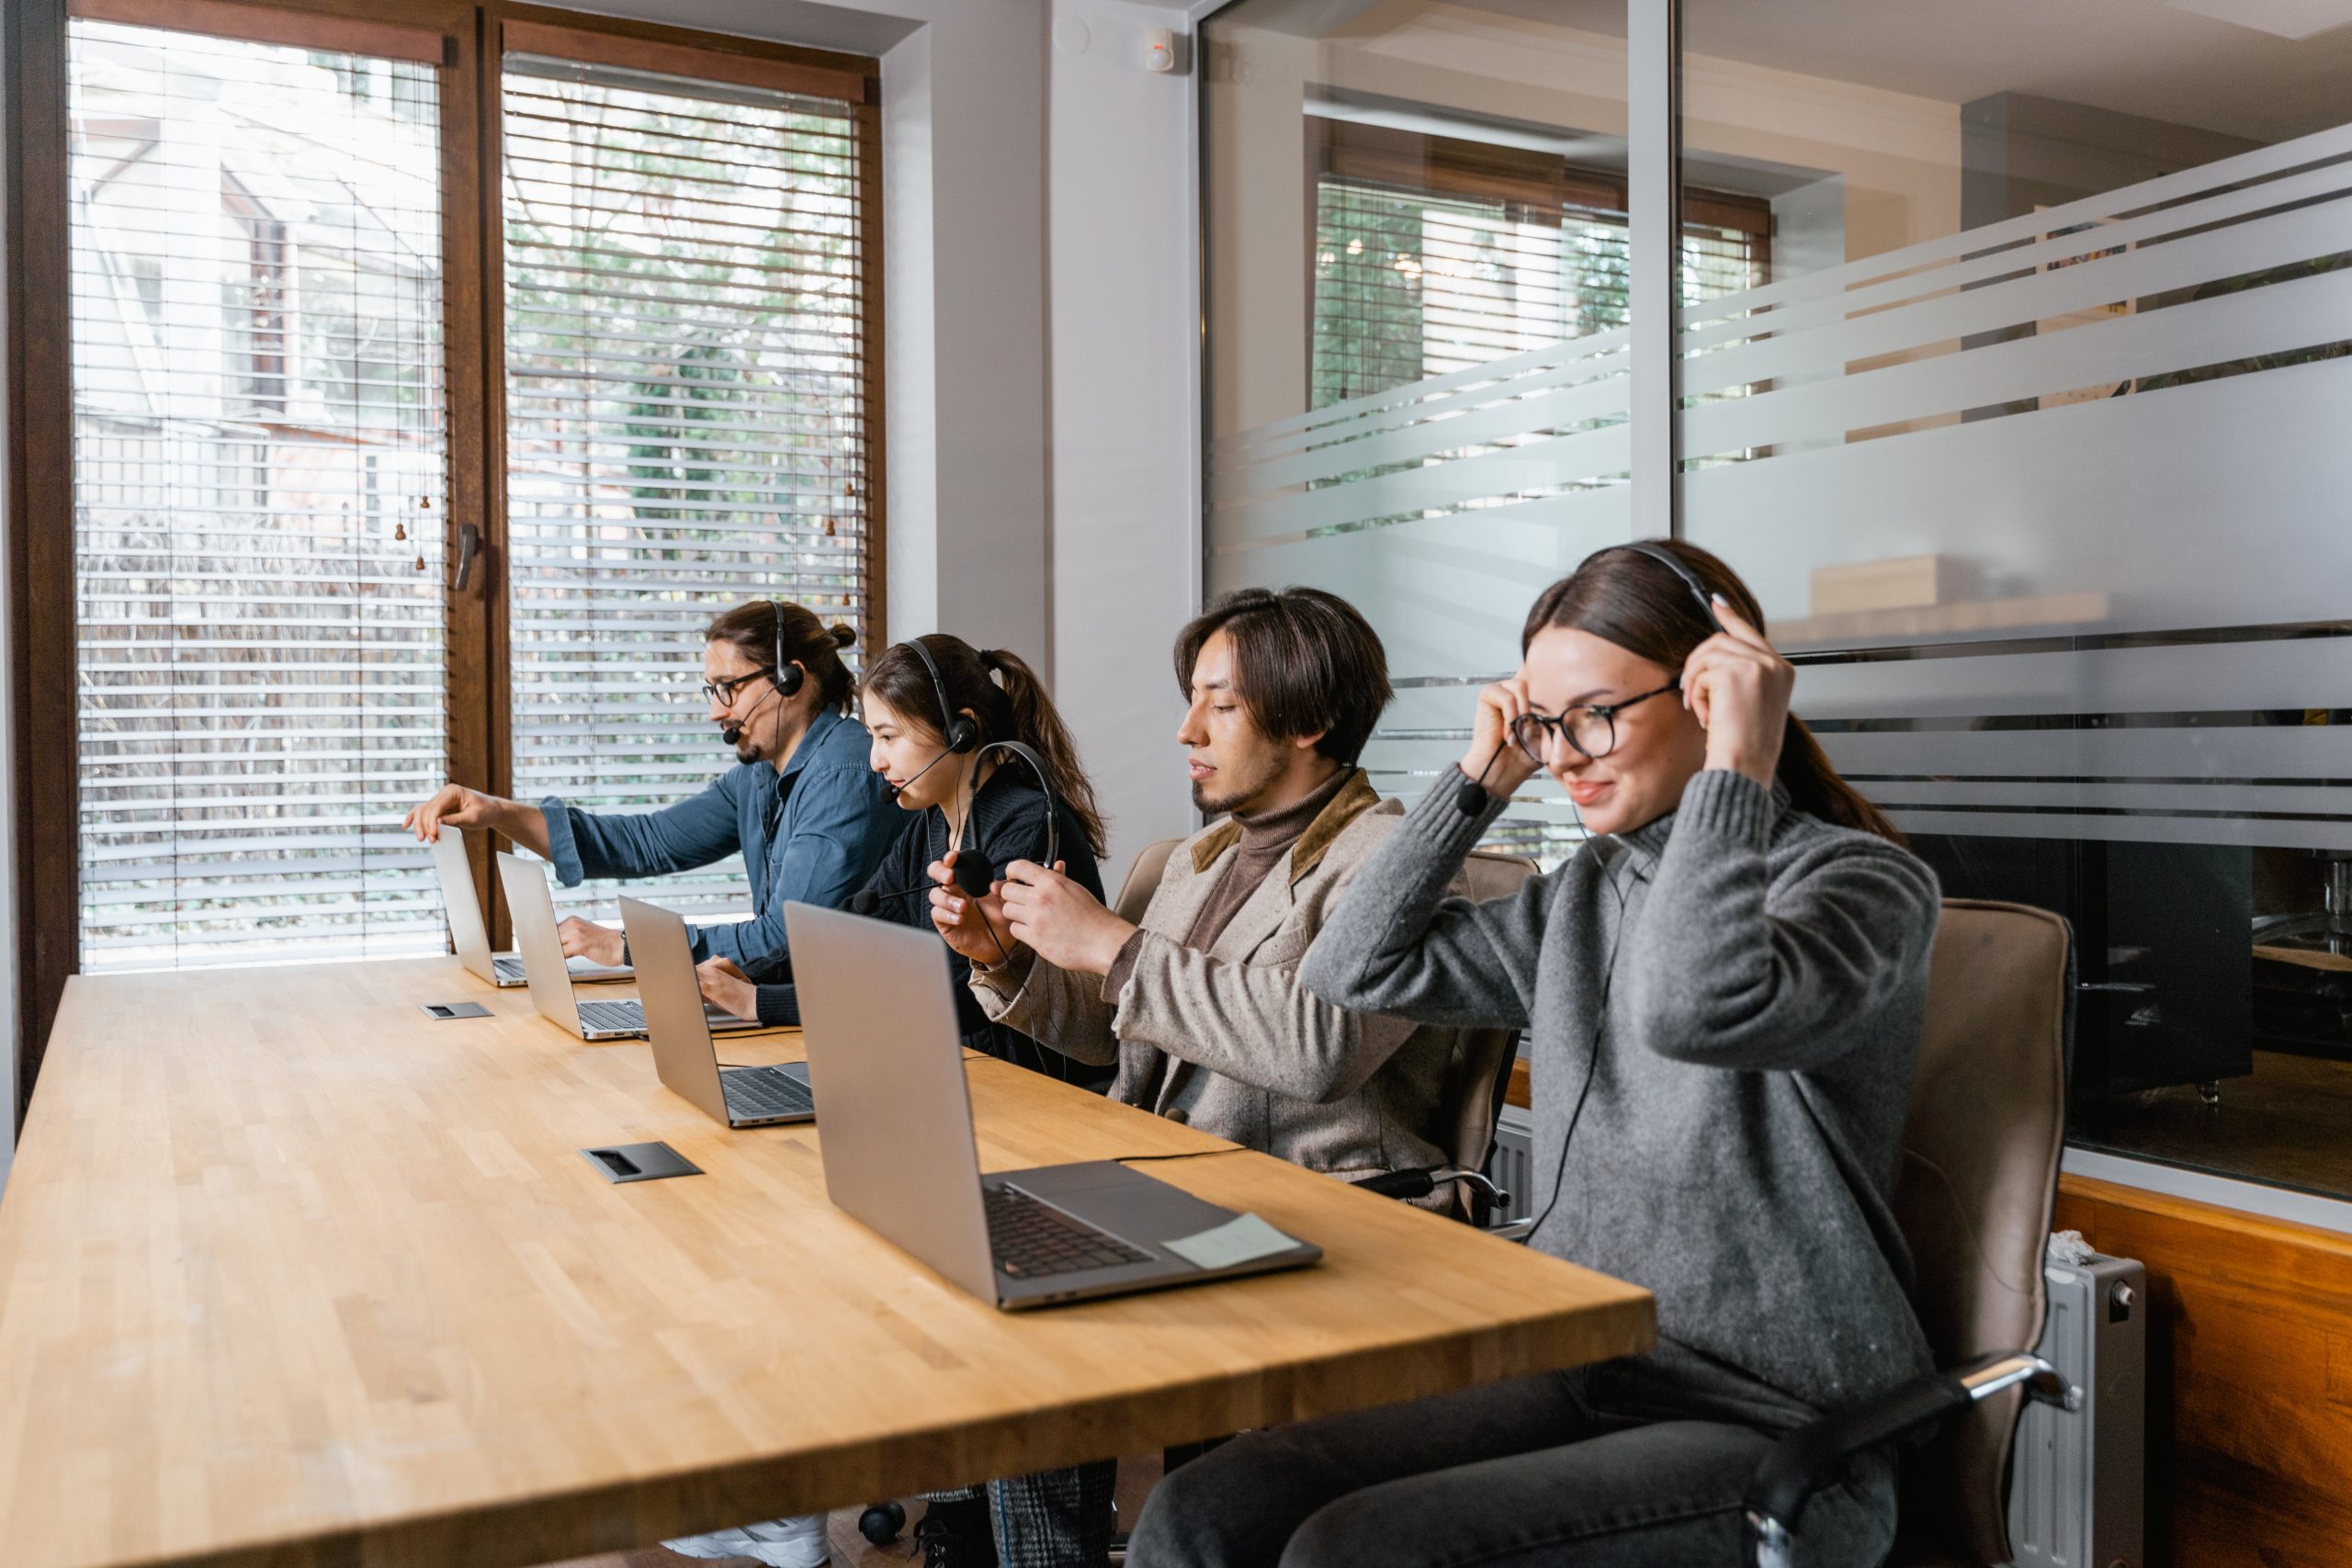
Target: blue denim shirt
column 837, row 818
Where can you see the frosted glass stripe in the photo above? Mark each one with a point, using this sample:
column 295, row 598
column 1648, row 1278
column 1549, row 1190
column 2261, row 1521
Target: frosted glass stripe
column 2261, row 164
column 2224, row 206
column 1563, row 354
column 1608, row 396
column 2287, row 835
column 2315, row 800
column 1546, row 464
column 2242, row 248
column 2281, row 317
column 2275, row 751
column 2188, row 677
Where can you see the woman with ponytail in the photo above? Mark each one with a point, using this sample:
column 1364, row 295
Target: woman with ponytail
column 1722, row 992
column 983, row 803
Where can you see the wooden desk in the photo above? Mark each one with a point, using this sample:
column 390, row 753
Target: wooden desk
column 297, row 1277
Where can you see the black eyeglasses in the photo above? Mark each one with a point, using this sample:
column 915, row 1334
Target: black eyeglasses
column 724, row 690
column 1592, row 729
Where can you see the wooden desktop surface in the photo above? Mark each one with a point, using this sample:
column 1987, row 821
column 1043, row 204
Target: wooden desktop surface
column 292, row 1276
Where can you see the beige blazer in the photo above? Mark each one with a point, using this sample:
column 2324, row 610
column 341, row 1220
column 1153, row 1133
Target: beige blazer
column 1284, row 1071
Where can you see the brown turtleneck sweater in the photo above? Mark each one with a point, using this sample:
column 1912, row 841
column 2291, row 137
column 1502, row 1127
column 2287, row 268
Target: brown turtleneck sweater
column 1266, row 837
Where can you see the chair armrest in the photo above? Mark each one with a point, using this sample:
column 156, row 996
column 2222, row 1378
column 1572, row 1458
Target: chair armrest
column 1411, row 1184
column 1803, row 1462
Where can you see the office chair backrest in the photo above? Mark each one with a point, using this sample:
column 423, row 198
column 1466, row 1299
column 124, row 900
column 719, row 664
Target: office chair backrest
column 1472, row 1097
column 1143, row 880
column 1979, row 1180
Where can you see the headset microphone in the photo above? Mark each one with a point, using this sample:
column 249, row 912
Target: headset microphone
column 1470, row 799
column 898, row 789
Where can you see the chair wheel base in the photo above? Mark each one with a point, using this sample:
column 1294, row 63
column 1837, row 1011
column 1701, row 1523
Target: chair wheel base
column 881, row 1523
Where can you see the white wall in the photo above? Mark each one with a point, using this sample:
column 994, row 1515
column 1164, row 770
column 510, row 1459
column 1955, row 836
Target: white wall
column 1123, row 402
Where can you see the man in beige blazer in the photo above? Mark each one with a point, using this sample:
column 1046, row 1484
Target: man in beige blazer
column 1199, row 1006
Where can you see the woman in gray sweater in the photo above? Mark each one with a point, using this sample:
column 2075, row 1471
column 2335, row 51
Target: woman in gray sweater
column 1722, row 993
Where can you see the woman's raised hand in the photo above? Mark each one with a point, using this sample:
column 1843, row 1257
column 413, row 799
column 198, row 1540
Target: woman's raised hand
column 1738, row 687
column 1493, row 756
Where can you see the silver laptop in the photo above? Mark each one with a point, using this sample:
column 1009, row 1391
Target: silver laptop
column 683, row 1057
column 877, row 1010
column 471, row 939
column 533, row 908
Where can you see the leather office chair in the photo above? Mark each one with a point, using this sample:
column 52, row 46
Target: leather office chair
column 1470, row 1103
column 1978, row 1183
column 1143, row 880
column 1477, row 1079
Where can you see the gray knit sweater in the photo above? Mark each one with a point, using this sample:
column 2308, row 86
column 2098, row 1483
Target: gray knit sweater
column 1737, row 1153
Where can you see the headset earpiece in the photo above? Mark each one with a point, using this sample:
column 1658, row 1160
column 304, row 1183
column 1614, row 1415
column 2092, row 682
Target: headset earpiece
column 786, row 677
column 963, row 735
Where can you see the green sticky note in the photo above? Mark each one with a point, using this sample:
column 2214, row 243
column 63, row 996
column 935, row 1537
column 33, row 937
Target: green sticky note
column 1237, row 1241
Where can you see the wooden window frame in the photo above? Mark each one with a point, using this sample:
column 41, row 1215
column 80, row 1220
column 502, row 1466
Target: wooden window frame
column 463, row 38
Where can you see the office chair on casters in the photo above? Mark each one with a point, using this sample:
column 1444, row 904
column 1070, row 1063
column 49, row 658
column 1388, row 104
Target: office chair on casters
column 1978, row 1182
column 1470, row 1103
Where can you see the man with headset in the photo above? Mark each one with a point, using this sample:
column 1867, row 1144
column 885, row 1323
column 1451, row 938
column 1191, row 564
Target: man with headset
column 810, row 818
column 1198, row 1006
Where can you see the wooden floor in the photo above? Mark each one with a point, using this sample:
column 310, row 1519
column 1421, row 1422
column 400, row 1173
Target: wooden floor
column 2285, row 1125
column 850, row 1550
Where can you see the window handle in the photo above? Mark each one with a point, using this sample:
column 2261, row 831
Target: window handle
column 468, row 546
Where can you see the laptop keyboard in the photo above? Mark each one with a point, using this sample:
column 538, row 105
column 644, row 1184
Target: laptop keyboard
column 766, row 1091
column 604, row 1017
column 507, row 969
column 1032, row 1239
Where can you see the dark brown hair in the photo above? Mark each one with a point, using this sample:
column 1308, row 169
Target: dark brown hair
column 1305, row 663
column 1011, row 707
column 1622, row 596
column 807, row 642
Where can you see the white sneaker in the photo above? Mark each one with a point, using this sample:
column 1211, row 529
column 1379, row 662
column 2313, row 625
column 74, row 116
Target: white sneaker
column 779, row 1543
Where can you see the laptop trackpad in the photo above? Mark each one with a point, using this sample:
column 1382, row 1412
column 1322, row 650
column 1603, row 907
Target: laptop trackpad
column 1125, row 1203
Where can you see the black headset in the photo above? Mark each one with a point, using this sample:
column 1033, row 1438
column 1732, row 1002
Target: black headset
column 1470, row 798
column 973, row 872
column 1672, row 563
column 787, row 678
column 962, row 733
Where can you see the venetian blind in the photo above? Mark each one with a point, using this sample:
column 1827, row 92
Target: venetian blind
column 258, row 489
column 1434, row 255
column 686, row 413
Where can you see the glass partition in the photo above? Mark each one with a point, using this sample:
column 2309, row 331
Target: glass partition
column 2029, row 439
column 1416, row 312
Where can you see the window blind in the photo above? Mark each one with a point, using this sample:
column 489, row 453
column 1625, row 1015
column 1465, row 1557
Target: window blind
column 258, row 486
column 1411, row 283
column 686, row 416
column 1438, row 253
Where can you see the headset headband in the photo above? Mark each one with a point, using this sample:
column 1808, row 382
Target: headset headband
column 960, row 732
column 1672, row 563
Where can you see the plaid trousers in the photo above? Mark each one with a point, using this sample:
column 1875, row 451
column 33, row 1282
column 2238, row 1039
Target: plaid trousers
column 1056, row 1519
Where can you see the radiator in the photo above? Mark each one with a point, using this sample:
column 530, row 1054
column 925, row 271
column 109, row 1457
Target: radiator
column 1509, row 1167
column 2076, row 1486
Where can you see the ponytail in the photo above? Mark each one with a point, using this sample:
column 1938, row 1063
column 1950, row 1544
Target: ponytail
column 1815, row 787
column 1037, row 725
column 1007, row 699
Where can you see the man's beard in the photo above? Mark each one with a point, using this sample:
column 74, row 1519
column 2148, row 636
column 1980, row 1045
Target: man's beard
column 1237, row 796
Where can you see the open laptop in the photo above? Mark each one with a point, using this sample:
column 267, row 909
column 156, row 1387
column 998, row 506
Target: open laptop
column 683, row 1057
column 533, row 909
column 877, row 1010
column 471, row 939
